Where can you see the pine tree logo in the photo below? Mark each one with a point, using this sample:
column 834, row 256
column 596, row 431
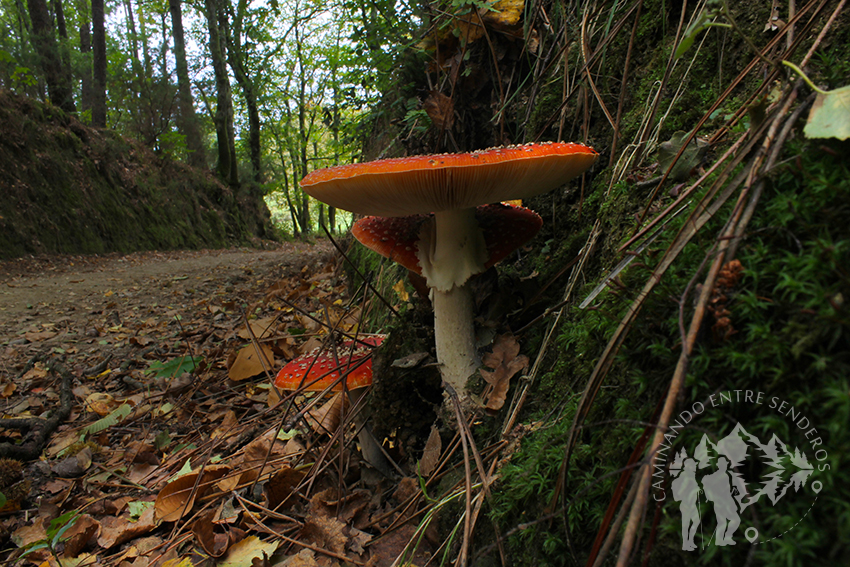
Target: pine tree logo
column 711, row 476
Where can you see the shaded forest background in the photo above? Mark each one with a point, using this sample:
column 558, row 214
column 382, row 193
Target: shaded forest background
column 706, row 251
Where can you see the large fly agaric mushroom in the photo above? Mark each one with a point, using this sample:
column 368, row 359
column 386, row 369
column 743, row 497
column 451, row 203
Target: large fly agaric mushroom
column 451, row 246
column 349, row 368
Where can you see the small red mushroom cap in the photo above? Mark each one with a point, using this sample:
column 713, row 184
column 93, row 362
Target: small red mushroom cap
column 505, row 228
column 425, row 184
column 317, row 370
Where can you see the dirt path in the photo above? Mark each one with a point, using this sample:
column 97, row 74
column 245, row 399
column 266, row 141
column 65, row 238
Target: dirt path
column 58, row 297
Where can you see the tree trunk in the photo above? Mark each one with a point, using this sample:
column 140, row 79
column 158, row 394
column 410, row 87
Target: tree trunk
column 64, row 55
column 236, row 58
column 85, row 74
column 227, row 166
column 303, row 134
column 187, row 120
column 58, row 88
column 98, row 101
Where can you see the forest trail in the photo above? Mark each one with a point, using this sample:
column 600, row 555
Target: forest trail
column 52, row 294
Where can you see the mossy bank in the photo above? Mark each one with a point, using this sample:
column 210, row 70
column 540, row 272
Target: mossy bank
column 68, row 188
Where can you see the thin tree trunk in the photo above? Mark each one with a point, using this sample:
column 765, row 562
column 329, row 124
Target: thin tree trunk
column 64, row 55
column 236, row 58
column 98, row 101
column 85, row 73
column 187, row 119
column 303, row 135
column 227, row 166
column 58, row 87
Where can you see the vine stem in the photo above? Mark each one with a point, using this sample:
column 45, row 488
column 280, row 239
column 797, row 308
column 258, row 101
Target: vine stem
column 804, row 77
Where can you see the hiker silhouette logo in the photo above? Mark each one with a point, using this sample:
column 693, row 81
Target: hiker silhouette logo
column 711, row 492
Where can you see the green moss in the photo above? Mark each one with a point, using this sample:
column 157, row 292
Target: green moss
column 70, row 189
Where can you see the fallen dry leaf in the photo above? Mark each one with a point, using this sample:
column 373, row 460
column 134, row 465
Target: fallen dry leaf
column 248, row 362
column 261, row 328
column 117, row 530
column 178, row 496
column 304, row 558
column 325, row 532
column 85, row 529
column 280, row 487
column 242, row 553
column 505, row 361
column 326, row 419
column 101, row 403
column 431, row 454
column 213, row 543
column 440, row 110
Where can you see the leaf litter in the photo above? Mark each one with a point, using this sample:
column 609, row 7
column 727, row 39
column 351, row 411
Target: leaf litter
column 175, row 451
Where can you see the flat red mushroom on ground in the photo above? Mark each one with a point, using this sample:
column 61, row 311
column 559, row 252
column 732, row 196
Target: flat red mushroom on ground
column 351, row 370
column 451, row 247
column 319, row 370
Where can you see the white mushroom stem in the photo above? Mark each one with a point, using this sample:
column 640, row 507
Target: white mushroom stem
column 454, row 334
column 450, row 250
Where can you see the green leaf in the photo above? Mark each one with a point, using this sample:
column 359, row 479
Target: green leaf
column 713, row 9
column 60, row 525
column 174, row 367
column 35, row 547
column 116, row 416
column 162, row 440
column 137, row 508
column 830, row 115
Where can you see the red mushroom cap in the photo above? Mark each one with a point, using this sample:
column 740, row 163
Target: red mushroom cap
column 318, row 369
column 505, row 228
column 424, row 184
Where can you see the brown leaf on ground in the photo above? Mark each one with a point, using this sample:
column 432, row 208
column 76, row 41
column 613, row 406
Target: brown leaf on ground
column 115, row 531
column 249, row 363
column 431, row 454
column 351, row 508
column 85, row 529
column 138, row 554
column 505, row 361
column 177, row 498
column 304, row 558
column 325, row 532
column 385, row 549
column 262, row 328
column 327, row 418
column 29, row 534
column 101, row 403
column 226, row 426
column 280, row 487
column 214, row 544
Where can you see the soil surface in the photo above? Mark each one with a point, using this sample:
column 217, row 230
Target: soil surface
column 68, row 295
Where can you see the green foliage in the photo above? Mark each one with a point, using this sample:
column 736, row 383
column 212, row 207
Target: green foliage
column 791, row 342
column 114, row 417
column 713, row 9
column 830, row 115
column 55, row 535
column 174, row 367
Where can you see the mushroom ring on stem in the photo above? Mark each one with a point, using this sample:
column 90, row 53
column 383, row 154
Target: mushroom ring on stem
column 452, row 248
